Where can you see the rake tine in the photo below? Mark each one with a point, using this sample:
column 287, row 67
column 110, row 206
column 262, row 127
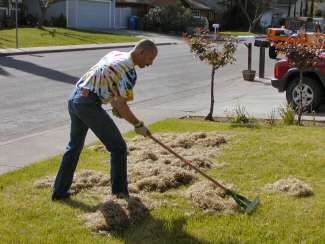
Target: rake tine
column 245, row 204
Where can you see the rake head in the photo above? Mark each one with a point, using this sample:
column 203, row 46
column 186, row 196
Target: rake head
column 245, row 204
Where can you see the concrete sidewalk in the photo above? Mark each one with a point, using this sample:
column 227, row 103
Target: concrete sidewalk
column 160, row 40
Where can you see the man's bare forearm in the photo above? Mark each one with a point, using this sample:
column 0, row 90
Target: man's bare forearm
column 124, row 111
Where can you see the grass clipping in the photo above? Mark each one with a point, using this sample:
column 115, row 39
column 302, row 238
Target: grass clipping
column 150, row 168
column 211, row 198
column 85, row 179
column 117, row 214
column 290, row 186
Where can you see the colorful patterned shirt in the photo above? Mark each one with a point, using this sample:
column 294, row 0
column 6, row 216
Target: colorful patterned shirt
column 113, row 75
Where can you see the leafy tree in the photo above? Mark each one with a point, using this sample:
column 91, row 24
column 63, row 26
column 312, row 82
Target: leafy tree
column 170, row 17
column 44, row 5
column 303, row 54
column 208, row 51
column 259, row 7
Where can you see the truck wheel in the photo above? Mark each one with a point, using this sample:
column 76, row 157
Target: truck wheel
column 311, row 94
column 272, row 52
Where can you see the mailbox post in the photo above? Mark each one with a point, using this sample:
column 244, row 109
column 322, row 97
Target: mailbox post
column 262, row 45
column 248, row 74
column 216, row 29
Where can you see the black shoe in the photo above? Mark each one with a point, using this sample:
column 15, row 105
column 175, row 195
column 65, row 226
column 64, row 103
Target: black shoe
column 62, row 197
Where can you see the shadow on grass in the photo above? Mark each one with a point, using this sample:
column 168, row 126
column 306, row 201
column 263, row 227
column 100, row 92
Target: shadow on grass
column 35, row 69
column 53, row 33
column 147, row 229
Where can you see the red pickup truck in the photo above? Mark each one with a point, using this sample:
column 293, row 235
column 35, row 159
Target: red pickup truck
column 286, row 78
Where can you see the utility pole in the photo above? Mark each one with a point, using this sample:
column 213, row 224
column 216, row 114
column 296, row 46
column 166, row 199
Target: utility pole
column 17, row 46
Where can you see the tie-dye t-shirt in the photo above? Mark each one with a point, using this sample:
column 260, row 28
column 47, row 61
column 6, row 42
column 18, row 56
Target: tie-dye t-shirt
column 113, row 75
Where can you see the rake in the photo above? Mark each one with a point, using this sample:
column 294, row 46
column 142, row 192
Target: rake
column 245, row 204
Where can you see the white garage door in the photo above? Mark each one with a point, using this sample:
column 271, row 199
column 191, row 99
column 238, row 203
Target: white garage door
column 90, row 14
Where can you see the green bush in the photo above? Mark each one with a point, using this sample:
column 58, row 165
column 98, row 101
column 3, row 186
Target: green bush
column 60, row 21
column 170, row 18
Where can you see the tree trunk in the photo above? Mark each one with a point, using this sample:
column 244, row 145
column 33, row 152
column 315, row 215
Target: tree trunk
column 250, row 28
column 42, row 18
column 210, row 115
column 300, row 107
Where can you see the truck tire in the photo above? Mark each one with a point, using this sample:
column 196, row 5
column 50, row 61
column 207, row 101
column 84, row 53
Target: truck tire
column 272, row 52
column 312, row 93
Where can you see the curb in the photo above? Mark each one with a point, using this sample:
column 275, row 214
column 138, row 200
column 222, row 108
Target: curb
column 73, row 49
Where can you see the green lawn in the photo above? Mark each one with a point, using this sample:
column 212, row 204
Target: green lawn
column 35, row 37
column 236, row 33
column 254, row 157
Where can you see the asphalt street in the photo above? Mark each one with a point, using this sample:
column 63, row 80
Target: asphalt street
column 34, row 121
column 35, row 87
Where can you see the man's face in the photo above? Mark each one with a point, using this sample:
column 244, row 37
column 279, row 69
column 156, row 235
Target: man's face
column 147, row 58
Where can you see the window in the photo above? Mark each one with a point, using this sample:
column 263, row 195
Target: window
column 196, row 12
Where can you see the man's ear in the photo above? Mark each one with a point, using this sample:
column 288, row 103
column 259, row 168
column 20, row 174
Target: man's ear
column 141, row 51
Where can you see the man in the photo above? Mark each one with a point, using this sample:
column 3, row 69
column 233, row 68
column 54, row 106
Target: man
column 111, row 80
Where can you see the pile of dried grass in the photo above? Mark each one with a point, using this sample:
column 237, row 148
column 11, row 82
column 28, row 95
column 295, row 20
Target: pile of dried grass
column 157, row 177
column 116, row 214
column 291, row 186
column 209, row 197
column 84, row 179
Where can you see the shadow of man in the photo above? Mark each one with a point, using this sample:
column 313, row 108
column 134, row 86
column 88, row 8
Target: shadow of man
column 134, row 223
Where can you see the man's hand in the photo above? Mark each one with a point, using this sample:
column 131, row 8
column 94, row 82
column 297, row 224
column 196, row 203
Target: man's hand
column 141, row 129
column 116, row 113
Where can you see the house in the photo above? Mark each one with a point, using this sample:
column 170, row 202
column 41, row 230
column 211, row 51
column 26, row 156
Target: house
column 8, row 8
column 86, row 14
column 281, row 9
column 138, row 7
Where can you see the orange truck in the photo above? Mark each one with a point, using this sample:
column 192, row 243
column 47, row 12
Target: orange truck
column 294, row 27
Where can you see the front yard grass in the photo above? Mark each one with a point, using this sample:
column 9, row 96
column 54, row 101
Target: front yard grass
column 35, row 37
column 253, row 157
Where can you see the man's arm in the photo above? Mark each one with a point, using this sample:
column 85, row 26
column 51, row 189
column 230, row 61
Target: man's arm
column 119, row 103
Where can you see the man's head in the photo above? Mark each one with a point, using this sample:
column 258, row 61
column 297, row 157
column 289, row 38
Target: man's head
column 144, row 53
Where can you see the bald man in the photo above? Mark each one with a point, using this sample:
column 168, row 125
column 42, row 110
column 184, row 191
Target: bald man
column 111, row 80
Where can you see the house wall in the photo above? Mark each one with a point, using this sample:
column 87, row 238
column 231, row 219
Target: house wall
column 91, row 14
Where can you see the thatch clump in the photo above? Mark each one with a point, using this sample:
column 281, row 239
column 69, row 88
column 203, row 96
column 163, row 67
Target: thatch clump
column 84, row 179
column 290, row 186
column 116, row 213
column 206, row 195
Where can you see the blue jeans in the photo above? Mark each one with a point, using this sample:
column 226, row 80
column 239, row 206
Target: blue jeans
column 86, row 112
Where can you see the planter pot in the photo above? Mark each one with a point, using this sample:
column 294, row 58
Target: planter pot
column 249, row 75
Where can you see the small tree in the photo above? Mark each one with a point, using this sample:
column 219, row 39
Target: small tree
column 302, row 53
column 259, row 6
column 208, row 52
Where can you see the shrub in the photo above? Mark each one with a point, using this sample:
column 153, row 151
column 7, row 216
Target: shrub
column 287, row 114
column 172, row 17
column 59, row 21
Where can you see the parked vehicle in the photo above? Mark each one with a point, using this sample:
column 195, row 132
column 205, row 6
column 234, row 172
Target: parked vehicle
column 286, row 79
column 292, row 28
